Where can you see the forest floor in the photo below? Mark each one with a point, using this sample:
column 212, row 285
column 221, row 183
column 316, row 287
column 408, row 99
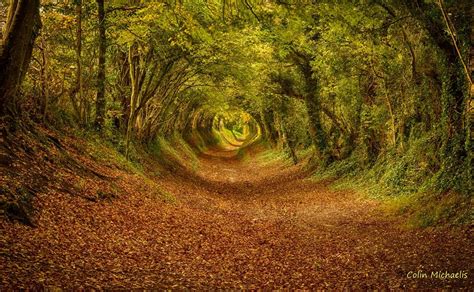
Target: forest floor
column 232, row 224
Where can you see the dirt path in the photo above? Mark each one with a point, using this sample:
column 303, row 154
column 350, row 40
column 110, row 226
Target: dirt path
column 235, row 224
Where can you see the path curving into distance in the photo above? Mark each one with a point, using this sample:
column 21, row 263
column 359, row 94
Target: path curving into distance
column 280, row 229
column 249, row 223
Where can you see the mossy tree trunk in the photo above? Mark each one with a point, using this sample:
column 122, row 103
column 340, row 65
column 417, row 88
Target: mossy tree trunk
column 454, row 84
column 313, row 107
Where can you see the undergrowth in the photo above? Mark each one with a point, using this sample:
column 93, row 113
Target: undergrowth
column 173, row 152
column 409, row 185
column 270, row 156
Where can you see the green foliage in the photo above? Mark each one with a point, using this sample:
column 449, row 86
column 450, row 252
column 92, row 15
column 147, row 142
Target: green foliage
column 372, row 91
column 173, row 152
column 273, row 156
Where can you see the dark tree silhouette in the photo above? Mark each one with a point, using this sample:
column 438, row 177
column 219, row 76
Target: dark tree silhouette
column 20, row 31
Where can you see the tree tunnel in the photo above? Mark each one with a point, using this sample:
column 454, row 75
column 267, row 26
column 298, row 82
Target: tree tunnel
column 236, row 144
column 234, row 73
column 232, row 129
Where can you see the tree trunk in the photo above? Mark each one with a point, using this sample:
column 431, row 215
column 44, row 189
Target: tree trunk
column 264, row 128
column 393, row 127
column 313, row 106
column 20, row 31
column 82, row 106
column 44, row 78
column 268, row 118
column 100, row 100
column 455, row 92
column 133, row 63
column 43, row 101
column 314, row 110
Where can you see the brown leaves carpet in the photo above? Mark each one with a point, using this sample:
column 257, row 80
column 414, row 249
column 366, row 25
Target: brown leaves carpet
column 235, row 224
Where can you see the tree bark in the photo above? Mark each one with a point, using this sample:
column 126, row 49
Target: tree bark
column 133, row 63
column 44, row 78
column 313, row 106
column 314, row 110
column 20, row 31
column 100, row 99
column 454, row 88
column 82, row 114
column 455, row 42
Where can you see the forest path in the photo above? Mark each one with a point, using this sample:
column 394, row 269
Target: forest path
column 236, row 223
column 277, row 228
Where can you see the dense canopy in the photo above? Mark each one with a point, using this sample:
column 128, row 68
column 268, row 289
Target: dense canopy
column 358, row 81
column 375, row 93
